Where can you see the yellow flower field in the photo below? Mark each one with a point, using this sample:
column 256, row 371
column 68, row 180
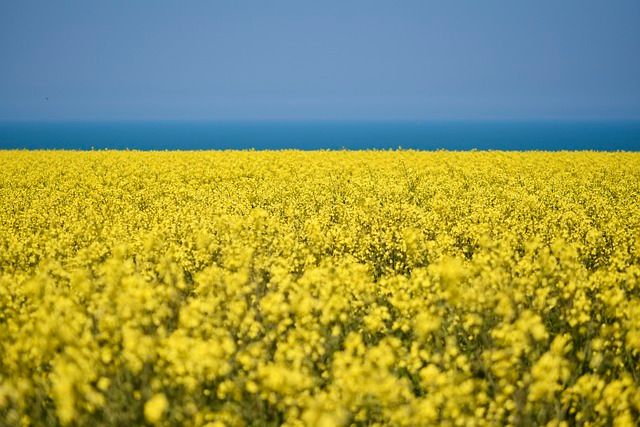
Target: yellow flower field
column 319, row 288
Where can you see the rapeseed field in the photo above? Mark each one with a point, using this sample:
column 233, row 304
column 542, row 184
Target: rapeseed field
column 319, row 288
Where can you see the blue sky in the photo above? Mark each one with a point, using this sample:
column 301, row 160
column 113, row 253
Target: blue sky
column 347, row 59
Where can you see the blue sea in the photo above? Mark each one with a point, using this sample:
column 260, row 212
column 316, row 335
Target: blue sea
column 315, row 135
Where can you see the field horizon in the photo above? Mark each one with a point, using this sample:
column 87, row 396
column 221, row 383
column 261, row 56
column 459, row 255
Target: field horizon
column 462, row 135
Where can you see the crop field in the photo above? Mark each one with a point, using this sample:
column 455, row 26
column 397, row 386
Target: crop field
column 319, row 288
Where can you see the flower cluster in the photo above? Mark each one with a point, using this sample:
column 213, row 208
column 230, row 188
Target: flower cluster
column 319, row 288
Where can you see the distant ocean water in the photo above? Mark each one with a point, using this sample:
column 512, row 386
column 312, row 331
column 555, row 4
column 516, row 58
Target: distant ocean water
column 313, row 135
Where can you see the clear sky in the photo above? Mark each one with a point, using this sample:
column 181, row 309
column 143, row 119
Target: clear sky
column 344, row 59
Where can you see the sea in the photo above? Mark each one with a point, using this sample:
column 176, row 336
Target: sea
column 321, row 135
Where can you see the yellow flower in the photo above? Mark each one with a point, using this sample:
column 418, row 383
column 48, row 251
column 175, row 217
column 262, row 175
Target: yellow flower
column 155, row 408
column 319, row 288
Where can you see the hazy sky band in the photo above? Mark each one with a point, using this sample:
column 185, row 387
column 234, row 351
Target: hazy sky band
column 320, row 60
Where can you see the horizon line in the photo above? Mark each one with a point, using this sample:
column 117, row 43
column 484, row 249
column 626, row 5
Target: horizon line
column 317, row 120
